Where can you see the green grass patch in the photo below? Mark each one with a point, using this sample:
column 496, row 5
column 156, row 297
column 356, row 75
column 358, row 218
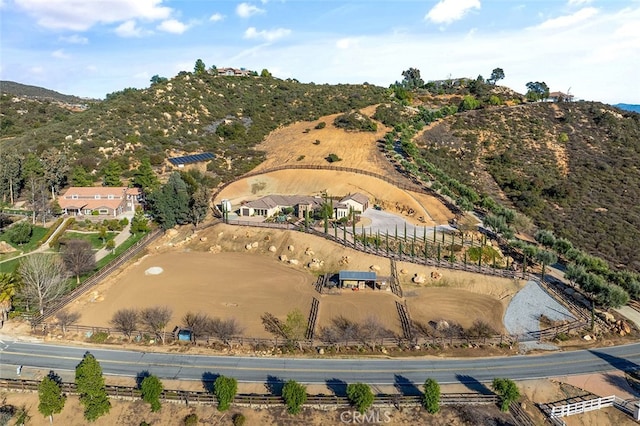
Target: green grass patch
column 9, row 266
column 93, row 238
column 36, row 234
column 473, row 254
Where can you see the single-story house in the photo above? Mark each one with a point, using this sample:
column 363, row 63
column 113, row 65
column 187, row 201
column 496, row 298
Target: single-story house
column 234, row 72
column 271, row 205
column 99, row 200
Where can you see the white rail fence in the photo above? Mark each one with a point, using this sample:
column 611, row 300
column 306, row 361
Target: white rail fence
column 593, row 404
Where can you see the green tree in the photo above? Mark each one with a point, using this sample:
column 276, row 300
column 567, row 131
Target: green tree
column 295, row 326
column 294, row 395
column 144, row 177
column 10, row 168
column 469, row 103
column 431, row 398
column 50, row 396
column 199, row 67
column 496, row 75
column 546, row 257
column 507, row 390
column 55, row 172
column 91, row 388
column 8, row 288
column 151, row 388
column 111, row 174
column 156, row 79
column 20, row 233
column 225, row 389
column 537, row 91
column 139, row 223
column 545, row 237
column 170, row 204
column 412, row 79
column 265, row 73
column 360, row 396
column 80, row 177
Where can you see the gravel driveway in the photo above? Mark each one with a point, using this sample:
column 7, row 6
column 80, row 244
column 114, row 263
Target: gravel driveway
column 524, row 310
column 386, row 222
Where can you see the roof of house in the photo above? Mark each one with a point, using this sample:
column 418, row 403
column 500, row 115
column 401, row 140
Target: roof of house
column 357, row 197
column 357, row 276
column 272, row 201
column 91, row 191
column 189, row 159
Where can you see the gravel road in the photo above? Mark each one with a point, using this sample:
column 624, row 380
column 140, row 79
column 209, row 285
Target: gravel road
column 524, row 310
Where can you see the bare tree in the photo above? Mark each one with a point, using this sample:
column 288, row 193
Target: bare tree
column 197, row 323
column 66, row 318
column 480, row 330
column 43, row 279
column 125, row 321
column 78, row 257
column 372, row 329
column 156, row 319
column 225, row 329
column 273, row 325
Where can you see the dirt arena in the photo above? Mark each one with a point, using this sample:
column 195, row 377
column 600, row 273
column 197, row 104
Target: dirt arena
column 213, row 271
column 238, row 285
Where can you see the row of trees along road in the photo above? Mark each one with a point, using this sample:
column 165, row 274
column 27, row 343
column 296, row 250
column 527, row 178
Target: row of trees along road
column 90, row 386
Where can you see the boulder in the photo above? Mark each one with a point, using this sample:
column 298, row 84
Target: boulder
column 203, row 239
column 284, row 258
column 374, row 268
column 442, row 325
column 272, row 249
column 291, row 248
column 215, row 249
column 321, row 351
column 435, row 275
column 586, row 337
column 419, row 279
column 293, row 261
column 309, row 252
column 247, row 246
column 404, row 271
column 254, row 244
column 625, row 327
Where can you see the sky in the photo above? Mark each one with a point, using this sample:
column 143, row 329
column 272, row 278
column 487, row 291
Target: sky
column 89, row 48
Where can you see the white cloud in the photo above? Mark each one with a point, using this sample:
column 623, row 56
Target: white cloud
column 74, row 39
column 569, row 20
column 448, row 11
column 346, row 43
column 579, row 2
column 245, row 10
column 216, row 17
column 80, row 15
column 36, row 70
column 129, row 29
column 173, row 26
column 60, row 54
column 268, row 35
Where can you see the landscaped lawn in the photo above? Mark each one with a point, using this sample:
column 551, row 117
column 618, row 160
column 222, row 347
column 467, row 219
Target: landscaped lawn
column 36, row 235
column 93, row 237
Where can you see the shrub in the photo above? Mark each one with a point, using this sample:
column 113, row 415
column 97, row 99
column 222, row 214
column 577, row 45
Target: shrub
column 20, row 233
column 191, row 420
column 360, row 396
column 431, row 398
column 507, row 390
column 239, row 419
column 321, row 125
column 332, row 158
column 151, row 388
column 99, row 337
column 294, row 395
column 225, row 389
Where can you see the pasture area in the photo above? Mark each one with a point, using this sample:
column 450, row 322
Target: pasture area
column 237, row 285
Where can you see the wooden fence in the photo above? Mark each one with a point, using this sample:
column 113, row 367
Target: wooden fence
column 205, row 397
column 97, row 277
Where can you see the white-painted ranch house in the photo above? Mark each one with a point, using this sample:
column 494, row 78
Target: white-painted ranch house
column 274, row 204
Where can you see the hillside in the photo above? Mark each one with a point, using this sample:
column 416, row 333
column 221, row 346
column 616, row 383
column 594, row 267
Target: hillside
column 35, row 92
column 223, row 115
column 571, row 167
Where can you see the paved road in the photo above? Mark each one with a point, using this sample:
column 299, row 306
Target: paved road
column 373, row 371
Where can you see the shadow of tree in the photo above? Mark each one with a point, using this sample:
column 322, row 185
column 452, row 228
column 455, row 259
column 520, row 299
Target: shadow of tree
column 337, row 386
column 207, row 380
column 274, row 385
column 621, row 383
column 473, row 384
column 140, row 377
column 405, row 386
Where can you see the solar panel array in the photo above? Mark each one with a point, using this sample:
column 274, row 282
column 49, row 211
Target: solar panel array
column 188, row 159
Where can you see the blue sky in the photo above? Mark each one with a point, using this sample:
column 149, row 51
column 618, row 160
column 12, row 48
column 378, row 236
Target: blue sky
column 94, row 47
